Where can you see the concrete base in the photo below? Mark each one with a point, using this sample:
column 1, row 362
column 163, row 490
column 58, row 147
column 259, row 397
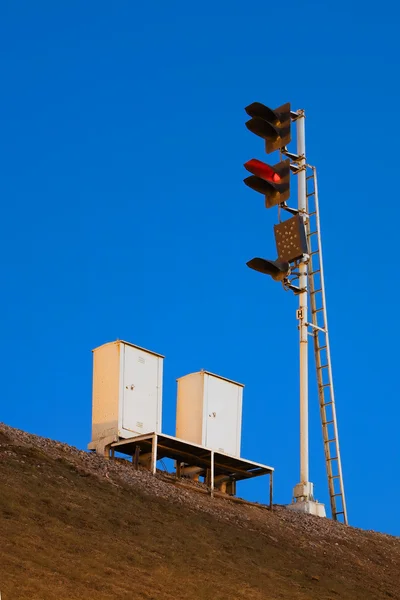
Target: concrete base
column 102, row 446
column 311, row 507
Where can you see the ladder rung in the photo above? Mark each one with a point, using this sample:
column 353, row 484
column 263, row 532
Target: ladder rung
column 314, row 272
column 324, row 386
column 327, row 403
column 316, row 291
column 312, row 233
column 335, row 495
column 312, row 214
column 317, row 310
column 339, row 513
column 316, row 327
column 328, row 423
column 321, row 348
column 309, row 176
column 334, row 458
column 310, row 194
column 330, row 441
column 322, row 367
column 315, row 252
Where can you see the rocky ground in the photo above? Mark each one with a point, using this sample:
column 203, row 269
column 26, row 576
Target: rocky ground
column 74, row 525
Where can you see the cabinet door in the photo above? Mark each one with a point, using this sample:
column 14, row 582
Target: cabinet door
column 141, row 393
column 222, row 416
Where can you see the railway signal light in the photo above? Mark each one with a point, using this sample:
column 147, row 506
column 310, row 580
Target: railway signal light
column 277, row 269
column 272, row 182
column 273, row 125
column 291, row 245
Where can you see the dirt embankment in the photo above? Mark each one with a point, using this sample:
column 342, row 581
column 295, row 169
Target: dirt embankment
column 75, row 526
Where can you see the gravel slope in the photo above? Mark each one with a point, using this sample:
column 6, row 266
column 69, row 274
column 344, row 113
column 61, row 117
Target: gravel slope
column 76, row 526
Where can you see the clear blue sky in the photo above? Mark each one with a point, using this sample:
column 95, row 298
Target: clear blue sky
column 124, row 216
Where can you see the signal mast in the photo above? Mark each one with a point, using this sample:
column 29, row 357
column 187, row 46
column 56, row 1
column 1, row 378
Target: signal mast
column 299, row 267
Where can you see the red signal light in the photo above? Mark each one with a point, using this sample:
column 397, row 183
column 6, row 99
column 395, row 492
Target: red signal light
column 260, row 169
column 273, row 182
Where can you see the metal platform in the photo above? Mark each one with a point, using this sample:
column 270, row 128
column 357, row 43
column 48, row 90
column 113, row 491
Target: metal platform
column 221, row 471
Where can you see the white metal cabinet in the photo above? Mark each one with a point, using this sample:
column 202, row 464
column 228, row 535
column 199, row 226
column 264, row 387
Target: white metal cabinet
column 127, row 391
column 209, row 412
column 141, row 393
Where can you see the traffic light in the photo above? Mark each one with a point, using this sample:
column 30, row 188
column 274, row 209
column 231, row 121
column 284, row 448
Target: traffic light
column 278, row 270
column 273, row 125
column 272, row 182
column 291, row 245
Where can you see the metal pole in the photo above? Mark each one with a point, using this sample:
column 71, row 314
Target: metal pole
column 302, row 206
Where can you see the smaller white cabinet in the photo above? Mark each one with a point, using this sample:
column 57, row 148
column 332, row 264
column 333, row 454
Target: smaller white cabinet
column 209, row 412
column 127, row 391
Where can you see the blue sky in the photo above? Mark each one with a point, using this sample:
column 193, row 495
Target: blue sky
column 124, row 216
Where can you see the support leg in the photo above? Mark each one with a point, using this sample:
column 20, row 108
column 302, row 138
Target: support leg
column 271, row 489
column 136, row 458
column 212, row 474
column 154, row 455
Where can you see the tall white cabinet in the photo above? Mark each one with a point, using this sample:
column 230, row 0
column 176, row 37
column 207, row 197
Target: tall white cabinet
column 209, row 412
column 127, row 391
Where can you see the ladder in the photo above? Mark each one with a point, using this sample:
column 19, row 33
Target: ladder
column 318, row 329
